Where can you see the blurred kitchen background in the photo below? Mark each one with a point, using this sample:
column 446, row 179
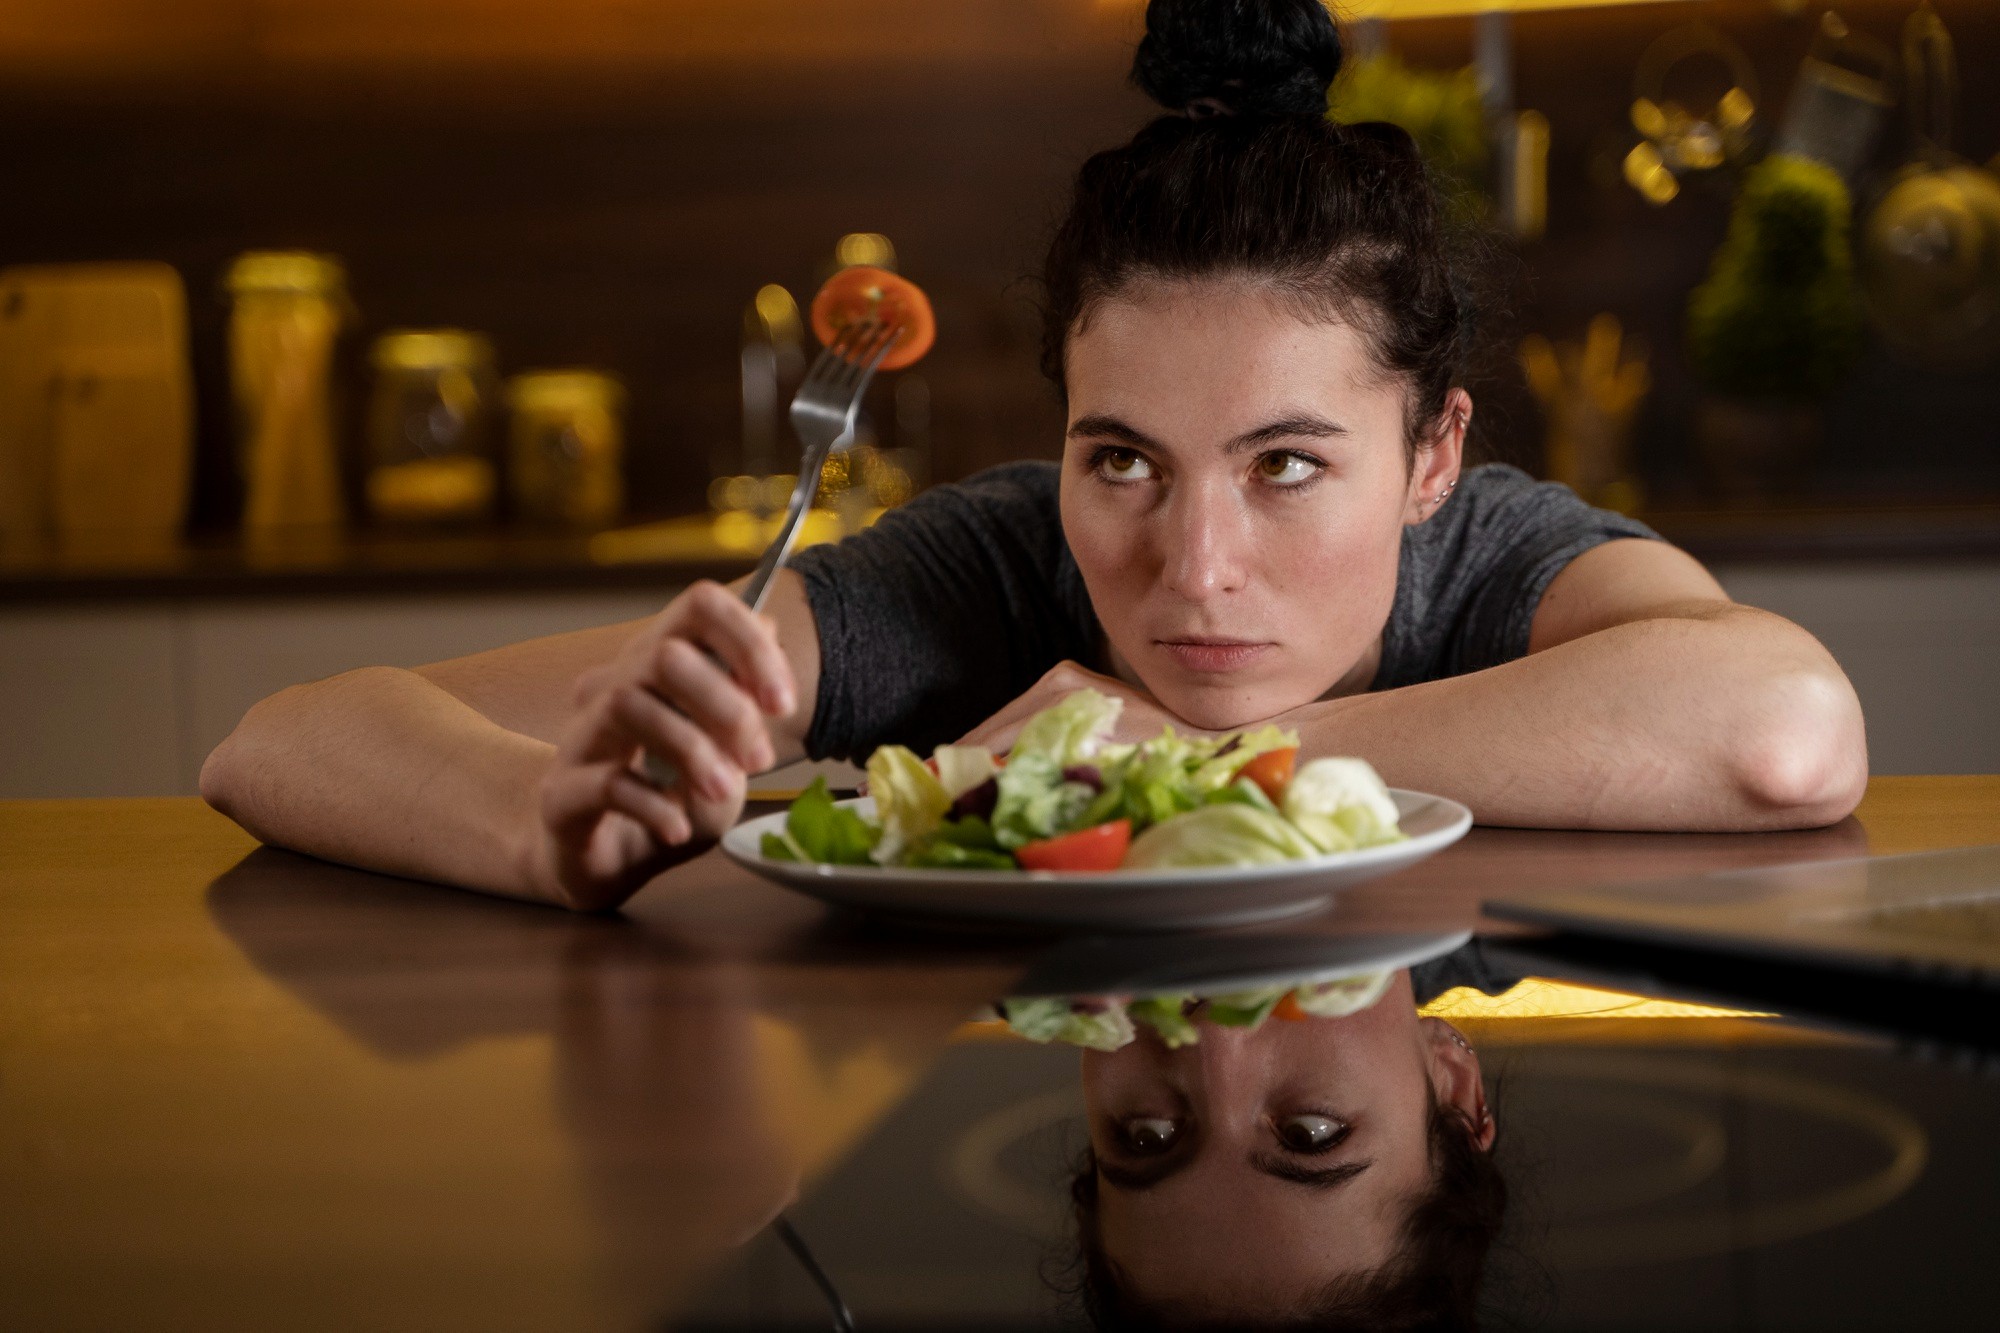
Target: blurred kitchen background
column 336, row 332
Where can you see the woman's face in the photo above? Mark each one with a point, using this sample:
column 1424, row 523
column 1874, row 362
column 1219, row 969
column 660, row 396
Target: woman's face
column 1246, row 1172
column 1234, row 490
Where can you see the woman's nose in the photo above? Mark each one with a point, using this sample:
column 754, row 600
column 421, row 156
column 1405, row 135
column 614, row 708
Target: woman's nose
column 1206, row 541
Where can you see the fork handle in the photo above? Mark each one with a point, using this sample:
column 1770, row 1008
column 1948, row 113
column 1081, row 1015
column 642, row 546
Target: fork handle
column 758, row 589
column 661, row 772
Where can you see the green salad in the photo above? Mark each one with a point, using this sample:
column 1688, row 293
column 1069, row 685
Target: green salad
column 1108, row 1022
column 1067, row 798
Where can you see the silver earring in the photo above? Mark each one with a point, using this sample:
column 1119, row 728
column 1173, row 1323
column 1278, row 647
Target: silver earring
column 1446, row 492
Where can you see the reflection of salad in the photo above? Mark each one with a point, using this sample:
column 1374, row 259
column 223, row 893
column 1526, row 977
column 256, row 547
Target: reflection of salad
column 1105, row 1023
column 1066, row 798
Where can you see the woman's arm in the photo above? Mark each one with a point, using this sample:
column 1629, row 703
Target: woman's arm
column 1648, row 700
column 510, row 771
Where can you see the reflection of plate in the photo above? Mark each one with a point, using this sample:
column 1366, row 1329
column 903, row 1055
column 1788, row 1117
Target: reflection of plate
column 1221, row 964
column 1110, row 900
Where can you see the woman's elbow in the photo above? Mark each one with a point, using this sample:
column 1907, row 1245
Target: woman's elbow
column 1803, row 759
column 228, row 775
column 265, row 745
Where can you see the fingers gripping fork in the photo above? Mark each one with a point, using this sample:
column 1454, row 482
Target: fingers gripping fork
column 824, row 413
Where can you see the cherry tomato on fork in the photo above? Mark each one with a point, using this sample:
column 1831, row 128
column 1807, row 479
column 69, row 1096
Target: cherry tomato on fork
column 860, row 292
column 1100, row 847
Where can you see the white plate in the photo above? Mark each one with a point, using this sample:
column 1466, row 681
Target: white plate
column 1106, row 900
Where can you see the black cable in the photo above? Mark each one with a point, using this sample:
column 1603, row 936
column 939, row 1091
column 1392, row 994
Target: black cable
column 843, row 1322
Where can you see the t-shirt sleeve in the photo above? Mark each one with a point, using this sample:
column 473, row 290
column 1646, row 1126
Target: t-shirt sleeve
column 942, row 612
column 1514, row 535
column 1475, row 575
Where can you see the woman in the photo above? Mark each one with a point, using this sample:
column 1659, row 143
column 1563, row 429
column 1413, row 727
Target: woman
column 1327, row 1173
column 1260, row 514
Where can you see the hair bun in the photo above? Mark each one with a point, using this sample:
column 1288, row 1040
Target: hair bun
column 1251, row 57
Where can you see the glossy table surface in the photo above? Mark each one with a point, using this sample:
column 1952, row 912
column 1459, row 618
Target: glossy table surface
column 240, row 1088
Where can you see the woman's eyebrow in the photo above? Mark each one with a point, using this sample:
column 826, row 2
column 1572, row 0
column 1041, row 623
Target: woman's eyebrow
column 1312, row 1177
column 1097, row 423
column 1285, row 428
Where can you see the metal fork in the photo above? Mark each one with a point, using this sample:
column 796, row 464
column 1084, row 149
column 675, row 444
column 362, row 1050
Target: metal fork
column 823, row 416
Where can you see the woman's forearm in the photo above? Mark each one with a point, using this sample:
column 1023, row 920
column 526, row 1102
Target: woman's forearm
column 1725, row 718
column 382, row 769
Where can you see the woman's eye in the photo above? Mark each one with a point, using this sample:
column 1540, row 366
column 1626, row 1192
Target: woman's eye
column 1310, row 1133
column 1124, row 465
column 1286, row 469
column 1148, row 1135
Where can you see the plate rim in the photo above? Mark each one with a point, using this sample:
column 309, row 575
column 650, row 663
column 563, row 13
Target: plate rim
column 739, row 846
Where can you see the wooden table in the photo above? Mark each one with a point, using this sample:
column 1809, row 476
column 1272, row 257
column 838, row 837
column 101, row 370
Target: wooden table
column 240, row 1088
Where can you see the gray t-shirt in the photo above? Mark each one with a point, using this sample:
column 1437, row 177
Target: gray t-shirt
column 954, row 604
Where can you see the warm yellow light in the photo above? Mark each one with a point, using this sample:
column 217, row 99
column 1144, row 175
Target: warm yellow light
column 1537, row 998
column 1649, row 175
column 1347, row 10
column 865, row 247
column 1531, row 175
column 778, row 313
column 1435, row 9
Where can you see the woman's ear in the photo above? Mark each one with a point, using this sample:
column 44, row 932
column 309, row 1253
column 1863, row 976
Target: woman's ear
column 1455, row 1078
column 1439, row 459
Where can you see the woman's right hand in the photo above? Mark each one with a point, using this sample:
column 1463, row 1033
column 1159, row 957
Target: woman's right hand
column 604, row 829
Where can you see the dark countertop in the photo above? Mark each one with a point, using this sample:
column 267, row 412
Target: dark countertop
column 235, row 1074
column 677, row 551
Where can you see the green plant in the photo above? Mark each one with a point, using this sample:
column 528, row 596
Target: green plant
column 1440, row 110
column 1778, row 316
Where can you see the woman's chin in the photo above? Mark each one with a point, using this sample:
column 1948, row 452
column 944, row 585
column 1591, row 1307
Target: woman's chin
column 1218, row 704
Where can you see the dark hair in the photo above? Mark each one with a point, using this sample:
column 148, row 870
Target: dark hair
column 1249, row 177
column 1430, row 1286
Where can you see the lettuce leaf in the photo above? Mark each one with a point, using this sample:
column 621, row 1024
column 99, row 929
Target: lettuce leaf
column 817, row 830
column 1228, row 834
column 1337, row 999
column 960, row 768
column 1167, row 1015
column 1241, row 792
column 1069, row 731
column 1341, row 804
column 910, row 802
column 961, row 844
column 1103, row 1027
column 1036, row 801
column 1245, row 1009
column 937, row 854
column 1225, row 760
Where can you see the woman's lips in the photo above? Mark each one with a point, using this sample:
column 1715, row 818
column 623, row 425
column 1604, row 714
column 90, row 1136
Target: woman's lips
column 1206, row 654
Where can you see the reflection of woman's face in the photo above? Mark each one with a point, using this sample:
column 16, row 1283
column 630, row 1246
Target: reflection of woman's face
column 1246, row 1172
column 1234, row 490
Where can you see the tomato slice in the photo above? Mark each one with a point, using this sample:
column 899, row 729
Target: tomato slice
column 1288, row 1009
column 861, row 292
column 1272, row 770
column 1100, row 847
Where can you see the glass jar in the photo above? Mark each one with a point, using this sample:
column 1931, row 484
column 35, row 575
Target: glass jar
column 287, row 310
column 431, row 427
column 566, row 447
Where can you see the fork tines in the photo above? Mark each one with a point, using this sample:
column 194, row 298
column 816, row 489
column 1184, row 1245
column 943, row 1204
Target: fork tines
column 851, row 355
